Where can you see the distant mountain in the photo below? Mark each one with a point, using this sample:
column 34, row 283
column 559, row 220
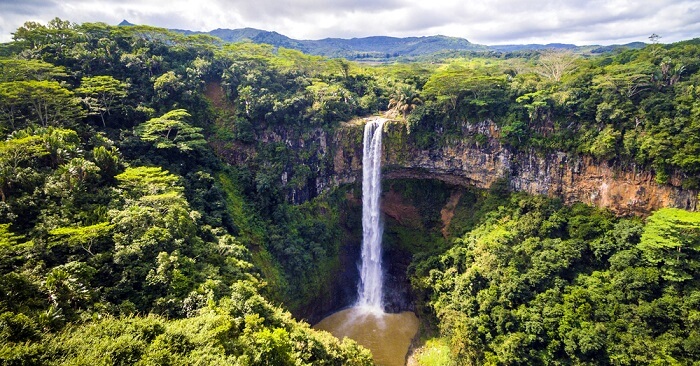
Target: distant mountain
column 255, row 35
column 616, row 47
column 380, row 48
column 124, row 23
column 389, row 47
column 566, row 46
column 533, row 47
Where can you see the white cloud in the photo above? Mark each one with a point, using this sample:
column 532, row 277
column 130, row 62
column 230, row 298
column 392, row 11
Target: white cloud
column 484, row 21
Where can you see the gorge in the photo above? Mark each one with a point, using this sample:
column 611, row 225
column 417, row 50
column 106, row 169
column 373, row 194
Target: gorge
column 338, row 155
column 571, row 179
column 336, row 158
column 624, row 189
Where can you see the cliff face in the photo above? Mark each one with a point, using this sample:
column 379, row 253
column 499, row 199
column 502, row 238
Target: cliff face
column 336, row 158
column 624, row 190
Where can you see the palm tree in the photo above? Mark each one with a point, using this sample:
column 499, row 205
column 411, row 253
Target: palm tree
column 405, row 99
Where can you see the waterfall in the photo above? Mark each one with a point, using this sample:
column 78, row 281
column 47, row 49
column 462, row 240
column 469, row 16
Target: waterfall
column 388, row 336
column 370, row 286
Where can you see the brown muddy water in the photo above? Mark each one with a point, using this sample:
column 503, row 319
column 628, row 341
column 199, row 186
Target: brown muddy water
column 388, row 336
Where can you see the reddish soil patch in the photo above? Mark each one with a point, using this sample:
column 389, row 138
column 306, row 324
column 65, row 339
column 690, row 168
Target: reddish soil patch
column 350, row 197
column 394, row 206
column 448, row 212
column 215, row 93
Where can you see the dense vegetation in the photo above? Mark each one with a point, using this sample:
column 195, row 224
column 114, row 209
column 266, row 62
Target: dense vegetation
column 125, row 238
column 535, row 283
column 118, row 241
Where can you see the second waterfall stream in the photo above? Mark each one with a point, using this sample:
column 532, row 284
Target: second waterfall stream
column 388, row 336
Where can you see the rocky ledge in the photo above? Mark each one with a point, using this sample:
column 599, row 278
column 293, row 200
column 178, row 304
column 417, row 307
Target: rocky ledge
column 625, row 190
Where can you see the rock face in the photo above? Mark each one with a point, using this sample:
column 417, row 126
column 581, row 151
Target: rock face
column 335, row 158
column 625, row 190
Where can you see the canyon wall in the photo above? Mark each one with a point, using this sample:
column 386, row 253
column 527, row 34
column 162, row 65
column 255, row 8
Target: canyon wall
column 625, row 190
column 335, row 158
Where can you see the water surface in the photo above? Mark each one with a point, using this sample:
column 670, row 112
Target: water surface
column 388, row 336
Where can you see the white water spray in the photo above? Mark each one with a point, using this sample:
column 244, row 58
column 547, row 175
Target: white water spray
column 370, row 286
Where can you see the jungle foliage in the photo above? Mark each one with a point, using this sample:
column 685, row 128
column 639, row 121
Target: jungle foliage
column 161, row 195
column 538, row 283
column 121, row 240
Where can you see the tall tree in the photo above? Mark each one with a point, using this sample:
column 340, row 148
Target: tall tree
column 46, row 102
column 14, row 153
column 11, row 103
column 17, row 69
column 671, row 239
column 171, row 131
column 553, row 64
column 102, row 94
column 81, row 236
column 404, row 99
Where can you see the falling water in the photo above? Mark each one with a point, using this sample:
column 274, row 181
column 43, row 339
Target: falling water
column 370, row 286
column 388, row 336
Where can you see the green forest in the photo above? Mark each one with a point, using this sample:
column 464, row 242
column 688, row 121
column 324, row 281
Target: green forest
column 159, row 202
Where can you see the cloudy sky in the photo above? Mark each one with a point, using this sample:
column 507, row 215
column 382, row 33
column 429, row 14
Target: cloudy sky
column 484, row 21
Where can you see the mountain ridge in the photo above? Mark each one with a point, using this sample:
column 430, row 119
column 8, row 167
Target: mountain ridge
column 384, row 48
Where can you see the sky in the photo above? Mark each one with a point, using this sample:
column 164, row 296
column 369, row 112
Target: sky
column 489, row 22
